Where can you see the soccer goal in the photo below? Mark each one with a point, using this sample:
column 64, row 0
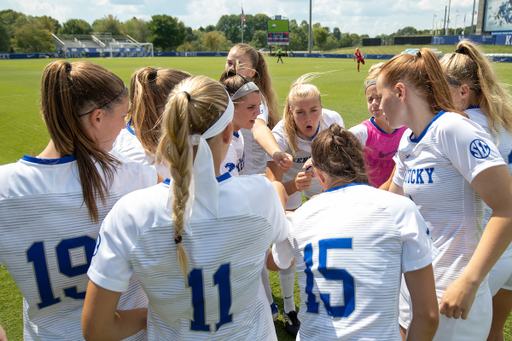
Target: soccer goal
column 118, row 49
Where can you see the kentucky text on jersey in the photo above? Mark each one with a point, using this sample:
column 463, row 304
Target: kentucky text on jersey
column 301, row 159
column 419, row 176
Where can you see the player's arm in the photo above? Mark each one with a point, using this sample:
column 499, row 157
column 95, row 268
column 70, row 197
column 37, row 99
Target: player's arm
column 425, row 316
column 494, row 185
column 101, row 320
column 264, row 137
column 387, row 185
column 2, row 334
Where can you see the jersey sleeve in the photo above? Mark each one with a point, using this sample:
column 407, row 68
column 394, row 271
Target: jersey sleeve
column 360, row 131
column 468, row 147
column 280, row 137
column 229, row 163
column 110, row 267
column 263, row 112
column 418, row 250
column 398, row 177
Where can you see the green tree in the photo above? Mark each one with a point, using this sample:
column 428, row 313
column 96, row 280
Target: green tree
column 297, row 42
column 229, row 25
column 209, row 28
column 406, row 31
column 214, row 41
column 331, row 43
column 260, row 22
column 259, row 39
column 320, row 36
column 13, row 20
column 76, row 26
column 336, row 33
column 137, row 29
column 5, row 38
column 33, row 38
column 166, row 32
column 109, row 23
column 48, row 23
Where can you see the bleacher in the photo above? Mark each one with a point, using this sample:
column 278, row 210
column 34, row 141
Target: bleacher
column 79, row 42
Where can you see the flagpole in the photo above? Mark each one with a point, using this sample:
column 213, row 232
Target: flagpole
column 243, row 23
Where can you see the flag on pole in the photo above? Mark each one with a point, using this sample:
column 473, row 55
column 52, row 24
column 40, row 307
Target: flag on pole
column 458, row 14
column 243, row 17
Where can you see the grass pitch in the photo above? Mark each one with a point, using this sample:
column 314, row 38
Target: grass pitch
column 23, row 132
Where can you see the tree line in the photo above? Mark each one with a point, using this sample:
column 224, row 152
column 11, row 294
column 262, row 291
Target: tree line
column 25, row 33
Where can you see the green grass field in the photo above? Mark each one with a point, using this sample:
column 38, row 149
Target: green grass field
column 23, row 132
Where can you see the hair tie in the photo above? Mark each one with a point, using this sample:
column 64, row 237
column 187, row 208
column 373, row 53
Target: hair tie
column 152, row 75
column 68, row 66
column 188, row 95
column 462, row 50
column 178, row 239
column 418, row 54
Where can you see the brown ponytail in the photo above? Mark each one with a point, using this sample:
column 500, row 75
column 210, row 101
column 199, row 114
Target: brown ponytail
column 68, row 91
column 194, row 105
column 149, row 89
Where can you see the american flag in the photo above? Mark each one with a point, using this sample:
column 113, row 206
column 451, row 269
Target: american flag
column 243, row 17
column 458, row 14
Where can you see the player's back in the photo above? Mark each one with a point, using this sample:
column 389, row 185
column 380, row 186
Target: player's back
column 223, row 298
column 47, row 239
column 348, row 251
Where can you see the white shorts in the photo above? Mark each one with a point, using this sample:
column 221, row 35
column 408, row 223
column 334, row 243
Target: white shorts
column 475, row 328
column 500, row 276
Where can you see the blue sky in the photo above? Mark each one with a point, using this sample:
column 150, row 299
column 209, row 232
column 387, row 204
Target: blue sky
column 371, row 17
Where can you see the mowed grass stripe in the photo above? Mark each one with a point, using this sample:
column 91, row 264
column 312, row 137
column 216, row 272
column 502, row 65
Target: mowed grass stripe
column 23, row 132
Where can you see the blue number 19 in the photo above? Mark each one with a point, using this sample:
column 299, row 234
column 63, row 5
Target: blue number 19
column 329, row 274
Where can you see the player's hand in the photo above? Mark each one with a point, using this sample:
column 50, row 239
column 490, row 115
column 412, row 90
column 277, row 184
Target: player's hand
column 283, row 160
column 303, row 180
column 2, row 334
column 308, row 166
column 458, row 299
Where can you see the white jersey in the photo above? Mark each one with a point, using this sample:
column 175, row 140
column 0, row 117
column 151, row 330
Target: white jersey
column 436, row 170
column 504, row 144
column 302, row 155
column 130, row 147
column 224, row 298
column 351, row 244
column 47, row 240
column 255, row 161
column 234, row 161
column 360, row 131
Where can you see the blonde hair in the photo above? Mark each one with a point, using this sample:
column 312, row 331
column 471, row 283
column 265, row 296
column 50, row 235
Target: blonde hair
column 300, row 89
column 263, row 80
column 149, row 89
column 194, row 105
column 470, row 66
column 373, row 73
column 423, row 72
column 67, row 92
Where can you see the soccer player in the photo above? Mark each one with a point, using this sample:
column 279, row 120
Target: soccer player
column 279, row 55
column 51, row 206
column 247, row 99
column 450, row 168
column 359, row 57
column 200, row 267
column 477, row 91
column 303, row 118
column 149, row 88
column 380, row 142
column 379, row 236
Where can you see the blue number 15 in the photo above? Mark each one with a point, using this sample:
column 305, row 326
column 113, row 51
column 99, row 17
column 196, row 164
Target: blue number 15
column 329, row 274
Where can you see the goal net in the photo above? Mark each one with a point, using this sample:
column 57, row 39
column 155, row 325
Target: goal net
column 130, row 50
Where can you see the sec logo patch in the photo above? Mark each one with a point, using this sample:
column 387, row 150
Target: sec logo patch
column 479, row 149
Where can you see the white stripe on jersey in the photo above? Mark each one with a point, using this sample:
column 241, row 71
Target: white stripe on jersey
column 436, row 171
column 224, row 299
column 303, row 154
column 351, row 245
column 130, row 147
column 47, row 240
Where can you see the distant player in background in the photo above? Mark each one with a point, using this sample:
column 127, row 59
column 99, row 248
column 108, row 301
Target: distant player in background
column 200, row 267
column 51, row 206
column 379, row 141
column 450, row 168
column 279, row 55
column 149, row 89
column 359, row 57
column 303, row 118
column 329, row 246
column 477, row 91
column 247, row 99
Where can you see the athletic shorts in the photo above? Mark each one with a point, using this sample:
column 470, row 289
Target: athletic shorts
column 500, row 276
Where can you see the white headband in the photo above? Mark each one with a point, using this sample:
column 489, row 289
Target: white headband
column 244, row 90
column 203, row 185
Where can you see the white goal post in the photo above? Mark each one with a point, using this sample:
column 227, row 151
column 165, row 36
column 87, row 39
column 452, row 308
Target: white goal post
column 118, row 49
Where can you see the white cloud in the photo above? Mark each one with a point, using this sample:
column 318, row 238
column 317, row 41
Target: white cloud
column 371, row 17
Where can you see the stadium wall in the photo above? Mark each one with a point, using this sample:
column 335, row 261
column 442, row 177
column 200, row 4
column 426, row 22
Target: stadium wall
column 486, row 39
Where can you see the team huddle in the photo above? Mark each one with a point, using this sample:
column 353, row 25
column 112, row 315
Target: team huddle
column 156, row 211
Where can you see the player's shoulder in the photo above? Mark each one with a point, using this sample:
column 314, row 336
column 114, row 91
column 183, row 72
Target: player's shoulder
column 249, row 184
column 331, row 117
